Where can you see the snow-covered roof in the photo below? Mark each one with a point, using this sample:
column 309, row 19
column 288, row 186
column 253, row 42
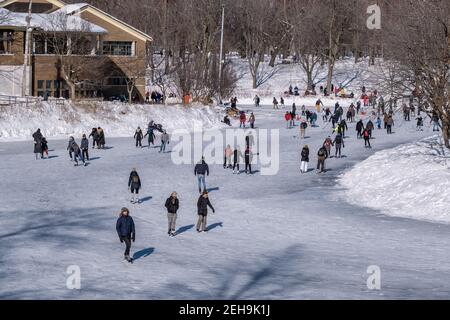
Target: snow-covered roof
column 72, row 8
column 56, row 21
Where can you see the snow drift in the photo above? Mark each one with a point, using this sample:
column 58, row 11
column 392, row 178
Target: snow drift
column 118, row 120
column 410, row 181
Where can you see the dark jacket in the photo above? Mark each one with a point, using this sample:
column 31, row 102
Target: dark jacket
column 172, row 206
column 370, row 126
column 37, row 136
column 201, row 168
column 125, row 227
column 202, row 206
column 94, row 135
column 360, row 126
column 305, row 155
column 338, row 140
column 139, row 135
column 84, row 144
column 134, row 181
column 237, row 155
column 322, row 154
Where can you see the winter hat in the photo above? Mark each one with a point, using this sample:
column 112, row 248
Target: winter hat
column 124, row 210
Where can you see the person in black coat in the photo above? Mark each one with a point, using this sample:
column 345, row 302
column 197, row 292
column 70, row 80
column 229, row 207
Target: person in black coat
column 202, row 206
column 172, row 205
column 37, row 137
column 126, row 231
column 304, row 160
column 95, row 137
column 134, row 184
column 138, row 136
column 339, row 144
column 85, row 147
column 359, row 129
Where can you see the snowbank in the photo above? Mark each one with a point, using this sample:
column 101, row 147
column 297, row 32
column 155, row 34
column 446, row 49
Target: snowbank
column 118, row 120
column 411, row 181
column 348, row 73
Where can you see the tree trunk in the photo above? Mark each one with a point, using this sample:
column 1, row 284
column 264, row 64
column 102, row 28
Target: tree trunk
column 255, row 84
column 446, row 135
column 273, row 57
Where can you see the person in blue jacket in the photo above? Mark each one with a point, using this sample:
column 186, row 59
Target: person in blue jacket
column 126, row 231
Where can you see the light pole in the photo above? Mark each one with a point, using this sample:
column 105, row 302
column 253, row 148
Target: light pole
column 221, row 54
column 26, row 78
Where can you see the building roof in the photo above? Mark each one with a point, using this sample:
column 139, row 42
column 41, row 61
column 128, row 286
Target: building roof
column 56, row 22
column 77, row 8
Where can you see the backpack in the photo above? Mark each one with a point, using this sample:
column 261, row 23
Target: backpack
column 135, row 179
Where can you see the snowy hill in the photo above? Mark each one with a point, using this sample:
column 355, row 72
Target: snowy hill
column 408, row 181
column 118, row 120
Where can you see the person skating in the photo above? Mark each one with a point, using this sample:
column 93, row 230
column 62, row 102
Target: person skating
column 202, row 209
column 138, row 136
column 359, row 129
column 237, row 155
column 275, row 103
column 37, row 137
column 251, row 120
column 248, row 156
column 370, row 127
column 172, row 205
column 101, row 138
column 328, row 143
column 287, row 117
column 366, row 136
column 304, row 159
column 151, row 137
column 134, row 185
column 201, row 170
column 419, row 123
column 77, row 155
column 165, row 140
column 293, row 114
column 322, row 155
column 344, row 127
column 84, row 145
column 339, row 144
column 242, row 120
column 126, row 231
column 227, row 157
column 303, row 127
column 70, row 148
column 378, row 123
column 94, row 135
column 44, row 145
column 257, row 101
column 435, row 121
column 389, row 124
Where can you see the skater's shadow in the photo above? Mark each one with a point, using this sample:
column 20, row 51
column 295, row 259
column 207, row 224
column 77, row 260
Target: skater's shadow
column 184, row 229
column 215, row 225
column 146, row 199
column 107, row 148
column 309, row 170
column 95, row 158
column 143, row 253
column 213, row 189
column 52, row 157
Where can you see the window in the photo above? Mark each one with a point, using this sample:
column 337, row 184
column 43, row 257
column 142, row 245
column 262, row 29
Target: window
column 117, row 48
column 40, row 85
column 56, row 89
column 117, row 81
column 6, row 39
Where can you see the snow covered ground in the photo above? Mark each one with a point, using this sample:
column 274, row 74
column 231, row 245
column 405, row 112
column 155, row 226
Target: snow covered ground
column 288, row 236
column 117, row 119
column 408, row 181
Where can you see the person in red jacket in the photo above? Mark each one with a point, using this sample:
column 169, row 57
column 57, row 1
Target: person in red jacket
column 243, row 119
column 288, row 118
